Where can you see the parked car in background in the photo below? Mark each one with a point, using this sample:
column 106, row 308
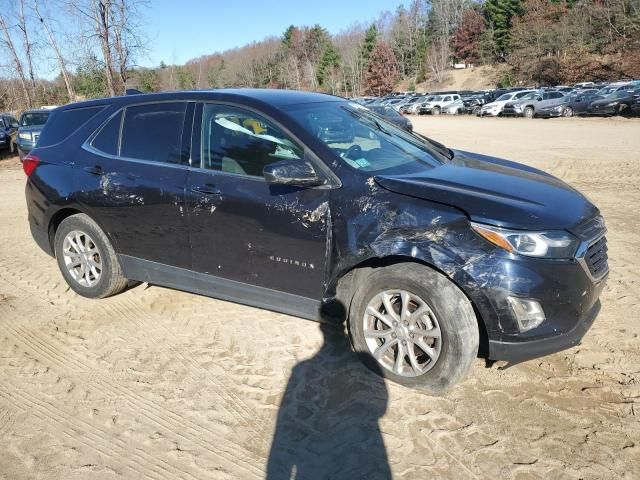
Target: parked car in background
column 532, row 104
column 392, row 115
column 438, row 103
column 454, row 108
column 614, row 87
column 31, row 124
column 495, row 108
column 617, row 103
column 410, row 103
column 429, row 254
column 583, row 85
column 572, row 105
column 8, row 132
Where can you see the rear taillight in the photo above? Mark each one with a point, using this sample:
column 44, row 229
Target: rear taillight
column 30, row 163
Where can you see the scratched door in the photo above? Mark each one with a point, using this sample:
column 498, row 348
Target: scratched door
column 244, row 229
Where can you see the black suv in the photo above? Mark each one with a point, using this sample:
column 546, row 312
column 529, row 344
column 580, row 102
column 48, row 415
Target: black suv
column 431, row 255
column 8, row 132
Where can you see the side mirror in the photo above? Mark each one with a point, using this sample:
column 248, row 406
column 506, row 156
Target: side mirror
column 292, row 172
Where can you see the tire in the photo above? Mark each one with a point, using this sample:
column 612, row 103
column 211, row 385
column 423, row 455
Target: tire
column 567, row 112
column 529, row 112
column 110, row 280
column 447, row 309
column 435, row 111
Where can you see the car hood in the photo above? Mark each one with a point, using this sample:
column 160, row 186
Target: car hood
column 555, row 103
column 605, row 101
column 33, row 129
column 498, row 192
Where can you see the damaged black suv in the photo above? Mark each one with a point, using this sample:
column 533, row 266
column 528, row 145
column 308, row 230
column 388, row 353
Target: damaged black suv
column 314, row 206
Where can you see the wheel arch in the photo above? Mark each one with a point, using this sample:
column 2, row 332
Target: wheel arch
column 63, row 213
column 342, row 288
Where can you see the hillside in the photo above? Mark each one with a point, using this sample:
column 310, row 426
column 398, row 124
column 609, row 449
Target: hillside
column 477, row 78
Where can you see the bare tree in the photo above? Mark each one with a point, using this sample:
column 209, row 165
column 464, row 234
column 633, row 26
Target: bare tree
column 16, row 61
column 56, row 49
column 27, row 45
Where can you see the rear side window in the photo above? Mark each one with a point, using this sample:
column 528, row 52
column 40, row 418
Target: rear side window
column 153, row 132
column 62, row 124
column 107, row 138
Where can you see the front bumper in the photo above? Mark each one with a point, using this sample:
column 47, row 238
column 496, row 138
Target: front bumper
column 491, row 113
column 602, row 111
column 513, row 351
column 566, row 290
column 510, row 111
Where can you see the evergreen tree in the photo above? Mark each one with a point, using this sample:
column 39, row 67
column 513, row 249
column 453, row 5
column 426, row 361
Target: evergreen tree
column 370, row 41
column 499, row 14
column 329, row 61
column 90, row 81
column 148, row 80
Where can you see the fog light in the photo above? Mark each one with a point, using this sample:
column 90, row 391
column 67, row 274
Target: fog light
column 529, row 313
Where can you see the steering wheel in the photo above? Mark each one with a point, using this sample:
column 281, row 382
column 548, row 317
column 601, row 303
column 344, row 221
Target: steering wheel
column 353, row 149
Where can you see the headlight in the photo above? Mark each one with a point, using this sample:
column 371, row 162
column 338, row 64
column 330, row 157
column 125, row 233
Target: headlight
column 517, row 108
column 558, row 108
column 25, row 135
column 548, row 244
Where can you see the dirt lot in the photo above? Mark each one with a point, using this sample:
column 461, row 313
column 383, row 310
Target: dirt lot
column 162, row 384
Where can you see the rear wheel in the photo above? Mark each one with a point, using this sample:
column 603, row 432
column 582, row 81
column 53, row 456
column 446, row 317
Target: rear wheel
column 415, row 326
column 529, row 112
column 86, row 258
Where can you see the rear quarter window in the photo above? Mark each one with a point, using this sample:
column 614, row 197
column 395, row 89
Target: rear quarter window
column 62, row 124
column 153, row 132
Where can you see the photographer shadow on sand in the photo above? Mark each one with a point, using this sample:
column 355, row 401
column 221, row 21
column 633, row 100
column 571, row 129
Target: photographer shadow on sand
column 327, row 426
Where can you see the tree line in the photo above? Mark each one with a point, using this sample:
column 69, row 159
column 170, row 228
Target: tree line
column 95, row 46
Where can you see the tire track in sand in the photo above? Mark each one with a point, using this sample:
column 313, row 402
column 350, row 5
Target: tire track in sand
column 136, row 460
column 163, row 418
column 133, row 312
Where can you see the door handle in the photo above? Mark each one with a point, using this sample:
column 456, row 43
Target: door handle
column 206, row 189
column 94, row 170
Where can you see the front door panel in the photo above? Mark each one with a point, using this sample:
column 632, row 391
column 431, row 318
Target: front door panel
column 251, row 232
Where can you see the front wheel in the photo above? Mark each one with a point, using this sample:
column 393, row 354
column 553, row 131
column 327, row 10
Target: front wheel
column 436, row 111
column 529, row 112
column 415, row 326
column 568, row 112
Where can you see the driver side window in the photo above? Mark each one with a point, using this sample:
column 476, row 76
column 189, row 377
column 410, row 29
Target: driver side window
column 241, row 142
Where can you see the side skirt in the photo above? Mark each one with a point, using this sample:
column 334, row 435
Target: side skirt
column 211, row 286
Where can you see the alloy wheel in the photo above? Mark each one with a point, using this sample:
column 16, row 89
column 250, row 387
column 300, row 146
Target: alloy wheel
column 402, row 333
column 82, row 258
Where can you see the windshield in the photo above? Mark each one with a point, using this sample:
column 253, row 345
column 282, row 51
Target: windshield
column 505, row 97
column 366, row 141
column 386, row 111
column 529, row 96
column 620, row 94
column 33, row 119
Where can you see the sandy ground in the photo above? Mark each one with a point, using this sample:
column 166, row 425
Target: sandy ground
column 162, row 384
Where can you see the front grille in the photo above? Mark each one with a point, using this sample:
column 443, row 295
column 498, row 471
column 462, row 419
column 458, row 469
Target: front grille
column 596, row 258
column 592, row 228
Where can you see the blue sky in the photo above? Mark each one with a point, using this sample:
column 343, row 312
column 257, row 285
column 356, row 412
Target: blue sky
column 184, row 29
